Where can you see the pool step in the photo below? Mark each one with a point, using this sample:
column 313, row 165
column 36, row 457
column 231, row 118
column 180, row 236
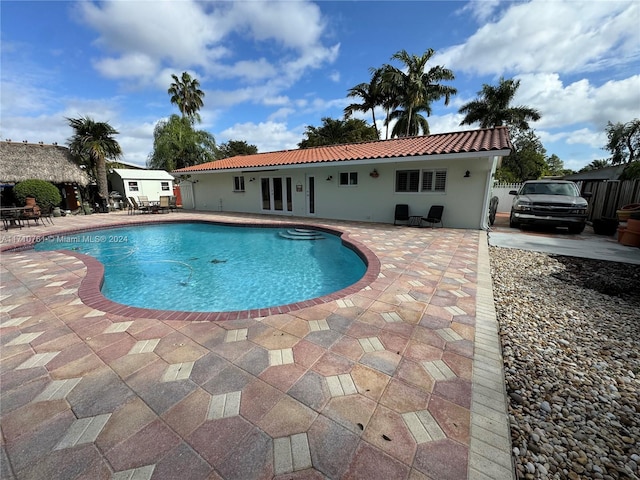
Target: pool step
column 302, row 234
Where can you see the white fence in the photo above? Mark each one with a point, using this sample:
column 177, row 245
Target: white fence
column 501, row 190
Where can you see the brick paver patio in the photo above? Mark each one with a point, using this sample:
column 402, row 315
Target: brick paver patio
column 400, row 378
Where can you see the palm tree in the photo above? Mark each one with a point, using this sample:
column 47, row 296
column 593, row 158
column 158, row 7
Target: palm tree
column 415, row 125
column 388, row 99
column 492, row 108
column 92, row 144
column 413, row 86
column 186, row 94
column 368, row 92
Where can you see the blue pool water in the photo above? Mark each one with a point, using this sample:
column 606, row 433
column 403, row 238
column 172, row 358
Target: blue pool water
column 199, row 267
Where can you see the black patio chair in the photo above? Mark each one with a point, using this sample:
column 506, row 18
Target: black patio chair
column 434, row 216
column 401, row 214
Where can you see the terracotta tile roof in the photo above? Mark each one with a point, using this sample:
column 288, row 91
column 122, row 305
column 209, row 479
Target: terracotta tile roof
column 484, row 140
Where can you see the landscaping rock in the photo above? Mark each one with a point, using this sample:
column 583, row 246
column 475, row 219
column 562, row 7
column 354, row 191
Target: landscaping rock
column 570, row 333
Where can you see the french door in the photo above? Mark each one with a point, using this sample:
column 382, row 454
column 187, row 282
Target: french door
column 277, row 194
column 311, row 195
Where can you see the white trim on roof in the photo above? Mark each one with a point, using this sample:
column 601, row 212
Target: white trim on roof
column 133, row 174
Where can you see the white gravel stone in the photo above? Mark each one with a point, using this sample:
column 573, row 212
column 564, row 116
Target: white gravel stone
column 570, row 333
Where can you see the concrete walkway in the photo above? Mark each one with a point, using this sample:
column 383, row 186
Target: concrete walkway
column 401, row 379
column 559, row 242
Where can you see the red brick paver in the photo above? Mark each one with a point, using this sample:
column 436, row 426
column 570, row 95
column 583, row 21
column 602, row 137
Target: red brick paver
column 365, row 360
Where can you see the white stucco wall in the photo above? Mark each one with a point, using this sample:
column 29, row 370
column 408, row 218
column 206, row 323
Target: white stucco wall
column 373, row 199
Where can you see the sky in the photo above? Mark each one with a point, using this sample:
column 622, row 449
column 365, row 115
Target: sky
column 269, row 69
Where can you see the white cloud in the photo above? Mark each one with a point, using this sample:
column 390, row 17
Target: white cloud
column 143, row 38
column 579, row 102
column 181, row 32
column 481, row 10
column 296, row 25
column 565, row 36
column 130, row 65
column 267, row 136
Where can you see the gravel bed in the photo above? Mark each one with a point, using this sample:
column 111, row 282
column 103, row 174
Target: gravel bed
column 570, row 333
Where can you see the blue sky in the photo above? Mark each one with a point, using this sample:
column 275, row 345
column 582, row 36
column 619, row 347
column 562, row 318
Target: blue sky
column 269, row 69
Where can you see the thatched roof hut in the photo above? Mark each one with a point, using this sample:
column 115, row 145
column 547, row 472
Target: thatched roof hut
column 21, row 161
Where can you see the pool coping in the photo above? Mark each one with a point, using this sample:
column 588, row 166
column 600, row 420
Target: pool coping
column 90, row 287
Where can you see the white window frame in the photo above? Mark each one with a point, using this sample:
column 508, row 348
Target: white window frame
column 163, row 185
column 351, row 179
column 437, row 183
column 430, row 180
column 133, row 186
column 238, row 183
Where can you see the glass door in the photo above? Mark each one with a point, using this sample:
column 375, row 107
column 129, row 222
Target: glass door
column 276, row 194
column 311, row 195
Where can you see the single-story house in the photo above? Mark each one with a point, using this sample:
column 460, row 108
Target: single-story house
column 129, row 182
column 53, row 163
column 361, row 181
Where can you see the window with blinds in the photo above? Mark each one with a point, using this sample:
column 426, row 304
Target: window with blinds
column 434, row 180
column 407, row 180
column 421, row 180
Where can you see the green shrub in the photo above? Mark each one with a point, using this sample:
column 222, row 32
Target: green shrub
column 631, row 171
column 45, row 193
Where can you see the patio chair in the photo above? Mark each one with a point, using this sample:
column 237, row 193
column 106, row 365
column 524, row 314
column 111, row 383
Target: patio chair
column 434, row 216
column 128, row 205
column 11, row 218
column 145, row 205
column 47, row 212
column 136, row 207
column 401, row 214
column 164, row 204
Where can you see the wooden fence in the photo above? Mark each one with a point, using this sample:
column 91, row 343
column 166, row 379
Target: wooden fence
column 609, row 196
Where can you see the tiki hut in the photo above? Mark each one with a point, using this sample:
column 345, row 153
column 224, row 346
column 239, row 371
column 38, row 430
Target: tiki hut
column 22, row 161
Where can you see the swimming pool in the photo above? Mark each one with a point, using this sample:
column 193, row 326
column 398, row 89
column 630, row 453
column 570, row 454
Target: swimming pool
column 204, row 267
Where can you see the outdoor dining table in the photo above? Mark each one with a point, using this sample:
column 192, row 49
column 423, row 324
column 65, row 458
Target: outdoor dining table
column 11, row 216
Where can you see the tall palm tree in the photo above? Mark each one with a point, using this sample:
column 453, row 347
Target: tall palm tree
column 493, row 108
column 371, row 97
column 410, row 126
column 186, row 94
column 92, row 144
column 387, row 97
column 414, row 85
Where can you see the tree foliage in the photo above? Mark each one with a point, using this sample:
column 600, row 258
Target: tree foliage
column 234, row 148
column 91, row 145
column 596, row 165
column 631, row 171
column 493, row 107
column 413, row 86
column 176, row 144
column 335, row 132
column 527, row 160
column 371, row 95
column 623, row 141
column 186, row 94
column 555, row 167
column 45, row 193
column 413, row 125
